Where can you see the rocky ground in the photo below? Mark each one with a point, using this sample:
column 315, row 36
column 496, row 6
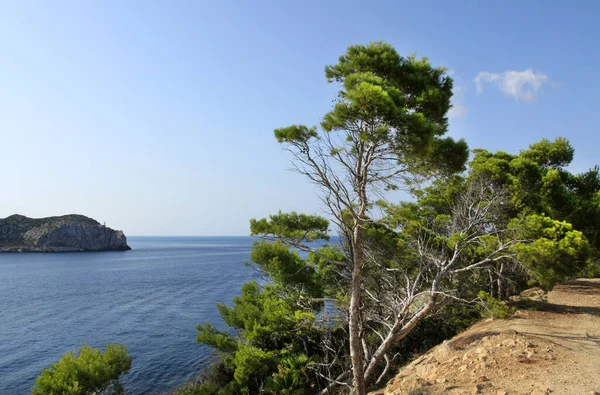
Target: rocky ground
column 554, row 349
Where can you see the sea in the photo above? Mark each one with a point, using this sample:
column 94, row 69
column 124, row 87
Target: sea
column 150, row 299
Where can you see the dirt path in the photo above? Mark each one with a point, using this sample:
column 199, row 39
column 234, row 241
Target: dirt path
column 553, row 350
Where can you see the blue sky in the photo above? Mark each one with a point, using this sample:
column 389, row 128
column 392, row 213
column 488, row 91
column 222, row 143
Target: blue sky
column 157, row 117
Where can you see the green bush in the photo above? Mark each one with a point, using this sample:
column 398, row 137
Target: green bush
column 591, row 270
column 90, row 372
column 492, row 307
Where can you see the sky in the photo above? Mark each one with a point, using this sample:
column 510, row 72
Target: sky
column 157, row 117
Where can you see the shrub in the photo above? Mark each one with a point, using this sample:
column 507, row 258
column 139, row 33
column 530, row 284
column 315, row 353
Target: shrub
column 90, row 372
column 492, row 307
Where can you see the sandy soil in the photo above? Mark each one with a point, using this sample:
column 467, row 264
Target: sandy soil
column 553, row 350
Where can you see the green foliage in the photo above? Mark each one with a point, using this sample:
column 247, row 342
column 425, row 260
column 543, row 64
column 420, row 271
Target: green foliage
column 270, row 330
column 584, row 209
column 89, row 372
column 492, row 307
column 222, row 341
column 293, row 226
column 295, row 133
column 252, row 364
column 539, row 184
column 291, row 377
column 286, row 266
column 535, row 177
column 403, row 100
column 552, row 212
column 377, row 80
column 591, row 270
column 550, row 154
column 557, row 251
column 327, row 275
column 434, row 203
column 263, row 317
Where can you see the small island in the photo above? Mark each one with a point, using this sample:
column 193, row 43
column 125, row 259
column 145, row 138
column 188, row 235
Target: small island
column 64, row 233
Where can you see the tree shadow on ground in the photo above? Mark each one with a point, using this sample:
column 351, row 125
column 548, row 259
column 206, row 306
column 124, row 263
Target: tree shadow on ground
column 537, row 305
column 568, row 337
column 582, row 287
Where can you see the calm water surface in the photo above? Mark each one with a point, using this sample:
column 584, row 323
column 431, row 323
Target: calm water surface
column 150, row 299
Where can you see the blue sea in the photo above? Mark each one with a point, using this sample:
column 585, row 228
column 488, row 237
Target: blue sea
column 149, row 299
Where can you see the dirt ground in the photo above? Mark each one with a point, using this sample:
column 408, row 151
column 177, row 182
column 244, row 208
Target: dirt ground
column 552, row 350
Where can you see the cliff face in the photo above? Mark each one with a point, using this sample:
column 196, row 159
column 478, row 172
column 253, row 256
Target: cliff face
column 57, row 234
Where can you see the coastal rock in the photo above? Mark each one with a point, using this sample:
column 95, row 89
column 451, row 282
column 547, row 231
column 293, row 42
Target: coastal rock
column 58, row 234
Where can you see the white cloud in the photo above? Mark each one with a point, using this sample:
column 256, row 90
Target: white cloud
column 459, row 108
column 521, row 85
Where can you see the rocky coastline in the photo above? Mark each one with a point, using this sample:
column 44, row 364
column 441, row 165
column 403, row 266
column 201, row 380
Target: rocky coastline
column 67, row 233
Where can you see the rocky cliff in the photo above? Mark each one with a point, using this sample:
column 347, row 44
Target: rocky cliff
column 58, row 234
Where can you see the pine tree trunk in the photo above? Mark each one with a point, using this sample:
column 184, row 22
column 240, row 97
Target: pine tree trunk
column 500, row 283
column 493, row 285
column 355, row 316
